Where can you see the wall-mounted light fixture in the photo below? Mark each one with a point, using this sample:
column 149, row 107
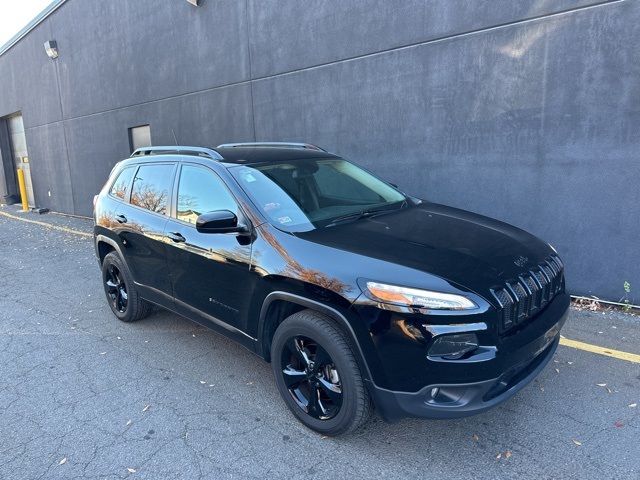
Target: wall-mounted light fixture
column 195, row 3
column 51, row 47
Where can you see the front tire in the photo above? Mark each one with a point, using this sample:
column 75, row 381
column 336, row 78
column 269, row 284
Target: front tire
column 317, row 374
column 121, row 292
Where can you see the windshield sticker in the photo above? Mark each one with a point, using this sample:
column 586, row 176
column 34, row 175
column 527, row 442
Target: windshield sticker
column 248, row 177
column 268, row 207
column 284, row 220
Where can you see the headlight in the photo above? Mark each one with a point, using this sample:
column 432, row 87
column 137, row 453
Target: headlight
column 413, row 297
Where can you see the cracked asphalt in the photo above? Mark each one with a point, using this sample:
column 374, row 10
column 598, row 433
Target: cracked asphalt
column 83, row 395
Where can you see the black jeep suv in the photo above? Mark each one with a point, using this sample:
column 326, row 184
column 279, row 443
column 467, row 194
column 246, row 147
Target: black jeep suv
column 357, row 294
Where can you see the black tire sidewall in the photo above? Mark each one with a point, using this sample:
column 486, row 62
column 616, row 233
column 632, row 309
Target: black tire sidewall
column 113, row 259
column 342, row 421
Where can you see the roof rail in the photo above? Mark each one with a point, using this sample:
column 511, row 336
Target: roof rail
column 167, row 150
column 304, row 146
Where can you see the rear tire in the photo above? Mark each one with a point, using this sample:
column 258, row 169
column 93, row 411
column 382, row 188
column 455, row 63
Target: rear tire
column 317, row 374
column 121, row 292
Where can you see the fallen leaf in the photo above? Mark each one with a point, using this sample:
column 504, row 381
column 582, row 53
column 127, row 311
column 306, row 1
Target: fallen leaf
column 601, row 384
column 569, row 363
column 202, row 382
column 618, row 424
column 609, row 390
column 507, row 454
column 131, row 470
column 475, row 437
column 557, row 370
column 633, row 405
column 146, row 407
column 499, row 456
column 63, row 461
column 577, row 442
column 129, row 422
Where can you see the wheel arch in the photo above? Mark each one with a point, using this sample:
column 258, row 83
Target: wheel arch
column 105, row 245
column 279, row 305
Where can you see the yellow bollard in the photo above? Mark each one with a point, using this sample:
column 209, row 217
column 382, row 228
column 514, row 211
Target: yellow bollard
column 23, row 191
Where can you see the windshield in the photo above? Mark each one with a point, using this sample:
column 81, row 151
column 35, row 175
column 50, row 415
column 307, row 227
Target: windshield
column 301, row 195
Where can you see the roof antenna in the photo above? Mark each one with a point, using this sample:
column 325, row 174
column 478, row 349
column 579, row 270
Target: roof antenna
column 174, row 137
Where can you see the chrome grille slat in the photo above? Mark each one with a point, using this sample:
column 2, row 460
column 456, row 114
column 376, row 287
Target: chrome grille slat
column 544, row 287
column 522, row 298
column 535, row 292
column 523, row 302
column 506, row 302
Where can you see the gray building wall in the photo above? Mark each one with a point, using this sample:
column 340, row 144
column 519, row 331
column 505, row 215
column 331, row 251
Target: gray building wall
column 527, row 111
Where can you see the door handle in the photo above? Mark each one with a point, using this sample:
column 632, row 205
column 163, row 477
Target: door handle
column 121, row 219
column 176, row 237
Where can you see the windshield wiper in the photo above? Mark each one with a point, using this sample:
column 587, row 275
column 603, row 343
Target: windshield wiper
column 366, row 213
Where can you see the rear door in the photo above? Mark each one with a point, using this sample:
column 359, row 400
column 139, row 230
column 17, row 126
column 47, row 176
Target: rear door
column 210, row 271
column 143, row 221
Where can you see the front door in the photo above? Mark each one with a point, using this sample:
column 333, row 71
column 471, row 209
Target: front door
column 209, row 271
column 20, row 154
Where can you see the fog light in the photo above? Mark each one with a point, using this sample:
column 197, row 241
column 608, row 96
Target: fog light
column 453, row 347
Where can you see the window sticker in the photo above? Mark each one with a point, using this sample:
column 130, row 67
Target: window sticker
column 249, row 178
column 284, row 219
column 268, row 207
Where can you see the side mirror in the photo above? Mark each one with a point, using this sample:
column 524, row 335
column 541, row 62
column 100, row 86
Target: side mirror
column 219, row 221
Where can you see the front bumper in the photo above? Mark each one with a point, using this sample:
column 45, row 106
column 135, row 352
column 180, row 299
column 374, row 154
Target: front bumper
column 518, row 361
column 462, row 399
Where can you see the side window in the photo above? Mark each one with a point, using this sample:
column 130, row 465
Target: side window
column 120, row 187
column 201, row 191
column 152, row 187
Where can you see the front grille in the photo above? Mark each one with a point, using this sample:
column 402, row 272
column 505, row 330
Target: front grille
column 522, row 298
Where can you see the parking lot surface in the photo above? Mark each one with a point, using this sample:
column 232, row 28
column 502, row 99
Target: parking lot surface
column 83, row 395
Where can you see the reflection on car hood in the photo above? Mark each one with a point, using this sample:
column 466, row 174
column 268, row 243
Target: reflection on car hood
column 471, row 250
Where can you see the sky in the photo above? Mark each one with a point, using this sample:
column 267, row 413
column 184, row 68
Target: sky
column 15, row 14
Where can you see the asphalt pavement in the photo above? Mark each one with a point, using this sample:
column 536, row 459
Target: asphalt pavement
column 83, row 395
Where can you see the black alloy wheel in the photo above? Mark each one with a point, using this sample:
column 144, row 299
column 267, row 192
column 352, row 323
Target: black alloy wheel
column 121, row 291
column 116, row 289
column 317, row 374
column 311, row 378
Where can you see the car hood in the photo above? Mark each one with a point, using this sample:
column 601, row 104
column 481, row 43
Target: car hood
column 467, row 249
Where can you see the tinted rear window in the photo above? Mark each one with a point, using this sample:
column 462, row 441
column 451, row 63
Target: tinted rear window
column 152, row 187
column 120, row 187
